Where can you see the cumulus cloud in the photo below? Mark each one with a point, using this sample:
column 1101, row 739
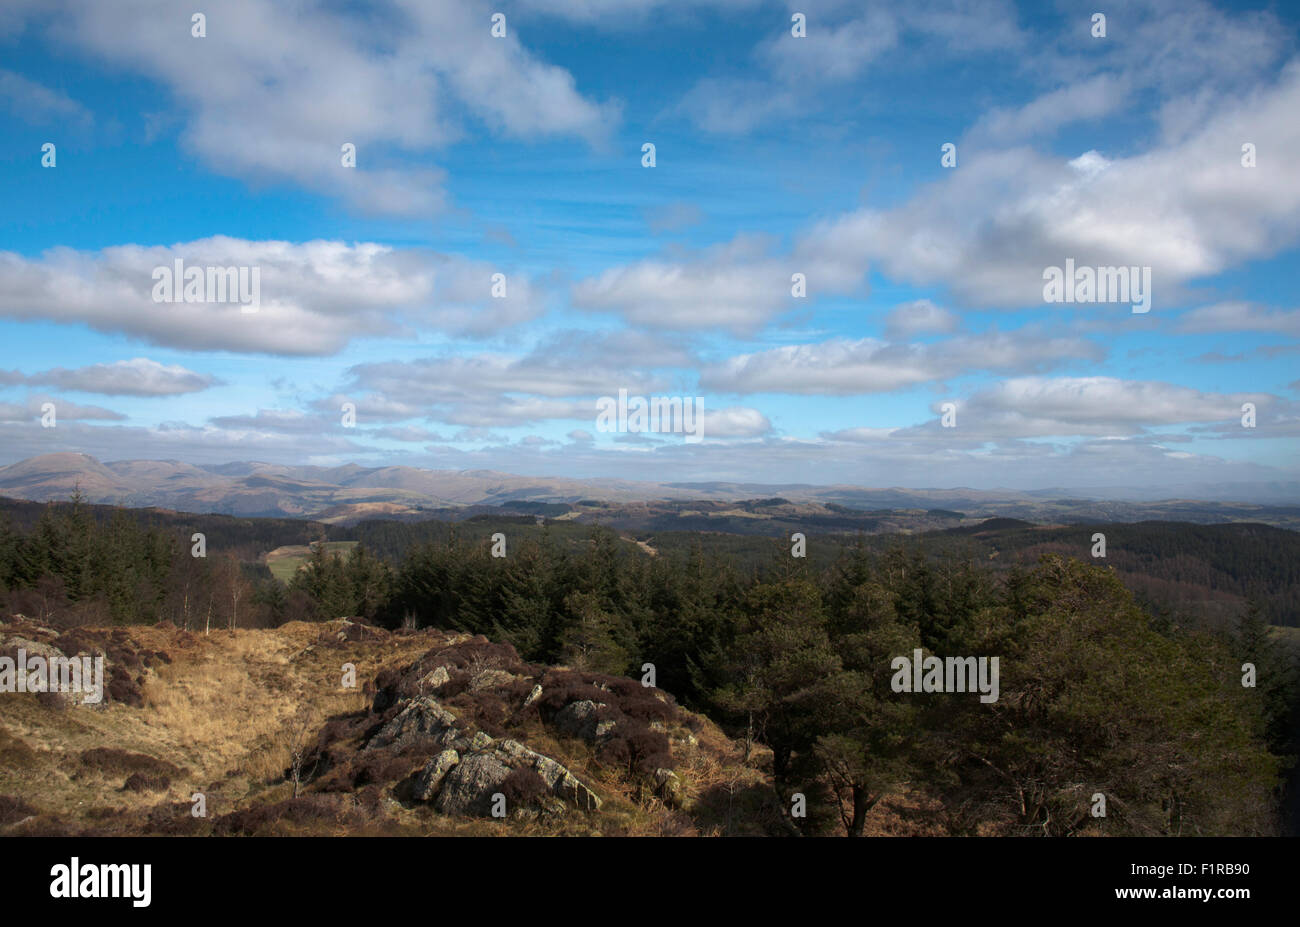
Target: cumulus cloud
column 136, row 377
column 1093, row 406
column 833, row 51
column 861, row 434
column 1187, row 210
column 738, row 286
column 1090, row 98
column 278, row 421
column 34, row 409
column 412, row 433
column 843, row 42
column 842, row 367
column 920, row 317
column 734, row 422
column 1236, row 316
column 315, row 297
column 560, row 377
column 273, row 91
column 735, row 287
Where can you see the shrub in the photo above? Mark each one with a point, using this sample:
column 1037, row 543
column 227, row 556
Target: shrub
column 522, row 787
column 114, row 761
column 14, row 809
column 142, row 782
column 303, row 811
column 486, row 709
column 173, row 819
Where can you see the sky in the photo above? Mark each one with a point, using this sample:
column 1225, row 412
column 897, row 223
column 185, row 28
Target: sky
column 840, row 255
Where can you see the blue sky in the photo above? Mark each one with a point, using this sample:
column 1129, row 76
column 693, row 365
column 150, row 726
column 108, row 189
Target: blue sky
column 775, row 155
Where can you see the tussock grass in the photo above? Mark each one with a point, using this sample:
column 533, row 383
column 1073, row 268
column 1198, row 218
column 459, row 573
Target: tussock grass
column 223, row 714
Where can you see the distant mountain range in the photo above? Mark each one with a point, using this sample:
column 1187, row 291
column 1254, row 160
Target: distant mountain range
column 350, row 493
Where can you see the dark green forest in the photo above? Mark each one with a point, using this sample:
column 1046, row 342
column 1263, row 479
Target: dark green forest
column 1099, row 694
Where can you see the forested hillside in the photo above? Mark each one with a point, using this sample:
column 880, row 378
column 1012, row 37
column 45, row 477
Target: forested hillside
column 1097, row 694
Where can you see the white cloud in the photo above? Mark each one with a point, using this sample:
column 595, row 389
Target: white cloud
column 276, row 421
column 411, row 433
column 861, row 434
column 623, row 14
column 316, row 297
column 920, row 317
column 734, row 422
column 273, row 91
column 843, row 42
column 841, row 367
column 136, row 377
column 738, row 286
column 168, row 441
column 1240, row 317
column 37, row 103
column 832, row 51
column 1095, row 406
column 1089, row 99
column 1187, row 210
column 31, row 411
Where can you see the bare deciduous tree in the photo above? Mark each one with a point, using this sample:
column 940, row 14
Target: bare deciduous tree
column 300, row 742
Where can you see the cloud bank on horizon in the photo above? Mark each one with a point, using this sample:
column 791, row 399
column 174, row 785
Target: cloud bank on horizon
column 966, row 243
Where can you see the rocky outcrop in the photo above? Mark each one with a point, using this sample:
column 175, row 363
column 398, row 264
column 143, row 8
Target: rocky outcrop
column 422, row 717
column 483, row 687
column 582, row 719
column 562, row 783
column 466, row 784
column 668, row 786
column 437, row 678
column 15, row 646
column 469, row 787
column 430, row 778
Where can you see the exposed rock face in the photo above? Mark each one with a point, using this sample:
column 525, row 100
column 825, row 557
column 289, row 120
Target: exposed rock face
column 483, row 684
column 469, row 787
column 12, row 644
column 669, row 787
column 437, row 678
column 421, row 717
column 430, row 778
column 480, row 741
column 465, row 785
column 580, row 719
column 562, row 783
column 462, row 778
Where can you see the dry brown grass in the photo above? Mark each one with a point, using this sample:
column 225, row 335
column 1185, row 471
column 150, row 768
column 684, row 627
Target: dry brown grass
column 219, row 711
column 219, row 719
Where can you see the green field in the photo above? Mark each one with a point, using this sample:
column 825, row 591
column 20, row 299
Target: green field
column 283, row 562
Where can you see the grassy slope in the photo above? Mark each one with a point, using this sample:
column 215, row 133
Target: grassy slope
column 222, row 712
